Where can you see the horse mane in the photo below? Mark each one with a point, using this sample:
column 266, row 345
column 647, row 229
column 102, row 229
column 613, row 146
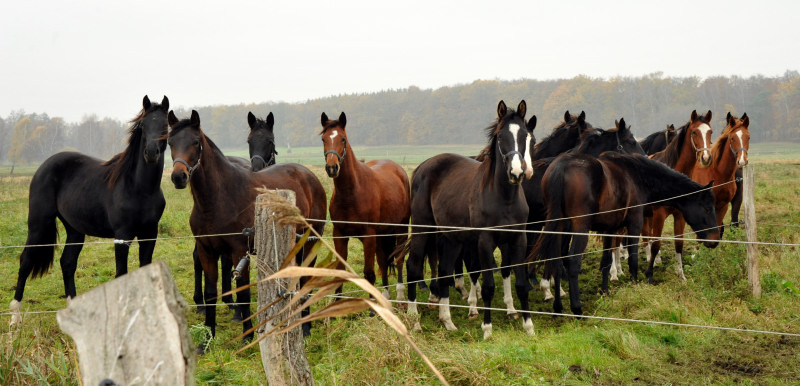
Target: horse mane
column 487, row 156
column 672, row 152
column 718, row 147
column 550, row 138
column 647, row 172
column 121, row 163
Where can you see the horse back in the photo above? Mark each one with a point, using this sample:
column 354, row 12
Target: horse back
column 309, row 192
column 441, row 190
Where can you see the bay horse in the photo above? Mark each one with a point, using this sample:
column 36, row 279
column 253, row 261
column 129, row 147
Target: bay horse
column 375, row 192
column 690, row 147
column 658, row 141
column 728, row 154
column 606, row 194
column 224, row 195
column 451, row 190
column 120, row 198
column 261, row 144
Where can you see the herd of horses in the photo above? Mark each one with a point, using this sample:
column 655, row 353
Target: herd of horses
column 535, row 202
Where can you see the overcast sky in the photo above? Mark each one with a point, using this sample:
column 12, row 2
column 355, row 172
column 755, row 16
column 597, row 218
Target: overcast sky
column 71, row 58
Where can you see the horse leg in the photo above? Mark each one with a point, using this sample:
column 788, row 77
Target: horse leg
column 414, row 268
column 37, row 260
column 210, row 270
column 451, row 251
column 736, row 203
column 340, row 245
column 400, row 287
column 485, row 253
column 226, row 277
column 384, row 247
column 679, row 226
column 459, row 279
column 653, row 245
column 577, row 248
column 198, row 281
column 635, row 224
column 508, row 256
column 473, row 268
column 69, row 258
column 515, row 255
column 243, row 298
column 607, row 263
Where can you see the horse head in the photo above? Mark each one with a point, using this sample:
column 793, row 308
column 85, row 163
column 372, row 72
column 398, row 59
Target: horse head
column 261, row 141
column 699, row 131
column 621, row 139
column 334, row 142
column 186, row 146
column 513, row 137
column 154, row 129
column 738, row 130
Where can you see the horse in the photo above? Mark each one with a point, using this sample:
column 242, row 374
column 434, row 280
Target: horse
column 658, row 141
column 606, row 194
column 368, row 199
column 728, row 154
column 690, row 147
column 261, row 143
column 451, row 190
column 120, row 198
column 224, row 195
column 736, row 201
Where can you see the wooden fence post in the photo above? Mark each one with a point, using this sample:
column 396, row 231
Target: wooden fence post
column 132, row 330
column 283, row 356
column 750, row 231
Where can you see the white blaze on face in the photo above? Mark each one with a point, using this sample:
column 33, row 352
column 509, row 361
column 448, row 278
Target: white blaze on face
column 704, row 132
column 334, row 133
column 516, row 163
column 528, row 162
column 741, row 161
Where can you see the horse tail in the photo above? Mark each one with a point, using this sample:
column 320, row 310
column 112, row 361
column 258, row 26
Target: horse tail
column 402, row 249
column 39, row 249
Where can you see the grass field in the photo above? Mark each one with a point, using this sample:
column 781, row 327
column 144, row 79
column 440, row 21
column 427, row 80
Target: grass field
column 362, row 350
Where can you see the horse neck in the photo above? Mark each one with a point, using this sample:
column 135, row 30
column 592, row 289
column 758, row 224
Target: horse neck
column 147, row 176
column 350, row 171
column 216, row 180
column 725, row 164
column 498, row 184
column 552, row 145
column 688, row 156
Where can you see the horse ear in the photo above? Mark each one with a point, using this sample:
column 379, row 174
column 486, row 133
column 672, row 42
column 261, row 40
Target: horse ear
column 270, row 120
column 165, row 103
column 146, row 103
column 671, row 127
column 531, row 123
column 616, row 123
column 566, row 116
column 746, row 121
column 582, row 117
column 195, row 118
column 342, row 120
column 501, row 109
column 710, row 184
column 171, row 118
column 251, row 120
column 621, row 125
column 522, row 109
column 694, row 115
column 708, row 116
column 324, row 119
column 728, row 118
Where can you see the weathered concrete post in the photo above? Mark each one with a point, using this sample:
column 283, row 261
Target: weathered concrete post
column 132, row 330
column 283, row 356
column 750, row 231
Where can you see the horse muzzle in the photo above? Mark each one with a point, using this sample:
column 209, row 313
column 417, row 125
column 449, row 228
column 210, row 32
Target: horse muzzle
column 180, row 179
column 152, row 156
column 705, row 158
column 257, row 164
column 332, row 170
column 710, row 237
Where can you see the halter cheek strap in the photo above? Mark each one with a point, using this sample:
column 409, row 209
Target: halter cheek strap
column 340, row 157
column 696, row 150
column 191, row 168
column 736, row 152
column 619, row 144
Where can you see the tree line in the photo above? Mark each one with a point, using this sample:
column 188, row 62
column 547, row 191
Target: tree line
column 449, row 115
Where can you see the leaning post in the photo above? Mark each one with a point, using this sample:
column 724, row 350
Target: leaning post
column 284, row 355
column 753, row 277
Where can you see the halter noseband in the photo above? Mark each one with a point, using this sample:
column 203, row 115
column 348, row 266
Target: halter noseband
column 340, row 157
column 191, row 168
column 696, row 150
column 266, row 162
column 736, row 152
column 619, row 144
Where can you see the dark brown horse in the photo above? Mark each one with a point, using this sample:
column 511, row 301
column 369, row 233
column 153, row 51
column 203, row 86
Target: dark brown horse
column 607, row 194
column 224, row 195
column 691, row 146
column 261, row 143
column 120, row 198
column 374, row 192
column 658, row 141
column 451, row 190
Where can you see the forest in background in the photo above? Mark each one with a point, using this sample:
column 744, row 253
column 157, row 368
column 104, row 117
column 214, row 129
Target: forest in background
column 447, row 115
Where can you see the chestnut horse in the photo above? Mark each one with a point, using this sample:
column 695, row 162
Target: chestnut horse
column 261, row 142
column 689, row 147
column 606, row 194
column 375, row 192
column 224, row 195
column 450, row 190
column 120, row 198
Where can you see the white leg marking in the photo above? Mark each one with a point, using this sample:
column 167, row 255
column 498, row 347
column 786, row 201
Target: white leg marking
column 16, row 315
column 527, row 325
column 560, row 288
column 487, row 330
column 544, row 284
column 386, row 294
column 472, row 299
column 679, row 266
column 613, row 270
column 658, row 258
column 433, row 298
column 401, row 291
column 478, row 289
column 648, row 251
column 622, row 253
column 507, row 298
column 461, row 288
column 444, row 314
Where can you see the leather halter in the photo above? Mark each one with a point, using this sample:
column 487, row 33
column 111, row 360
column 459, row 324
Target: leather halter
column 619, row 143
column 696, row 150
column 340, row 157
column 266, row 162
column 736, row 152
column 191, row 168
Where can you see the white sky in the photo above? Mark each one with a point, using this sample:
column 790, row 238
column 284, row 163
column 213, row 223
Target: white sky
column 71, row 58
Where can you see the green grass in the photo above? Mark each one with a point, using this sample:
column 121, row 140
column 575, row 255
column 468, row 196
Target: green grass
column 362, row 350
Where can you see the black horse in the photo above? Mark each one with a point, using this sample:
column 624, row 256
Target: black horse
column 120, row 198
column 658, row 141
column 584, row 193
column 261, row 142
column 453, row 190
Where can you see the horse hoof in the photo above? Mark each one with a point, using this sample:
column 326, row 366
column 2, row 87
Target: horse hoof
column 423, row 286
column 236, row 318
column 199, row 310
column 450, row 326
column 201, row 349
column 513, row 315
column 417, row 327
column 472, row 316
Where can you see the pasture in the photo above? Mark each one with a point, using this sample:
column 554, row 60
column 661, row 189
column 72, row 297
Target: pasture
column 362, row 350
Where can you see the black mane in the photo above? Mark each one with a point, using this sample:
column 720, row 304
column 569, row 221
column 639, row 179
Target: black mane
column 121, row 163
